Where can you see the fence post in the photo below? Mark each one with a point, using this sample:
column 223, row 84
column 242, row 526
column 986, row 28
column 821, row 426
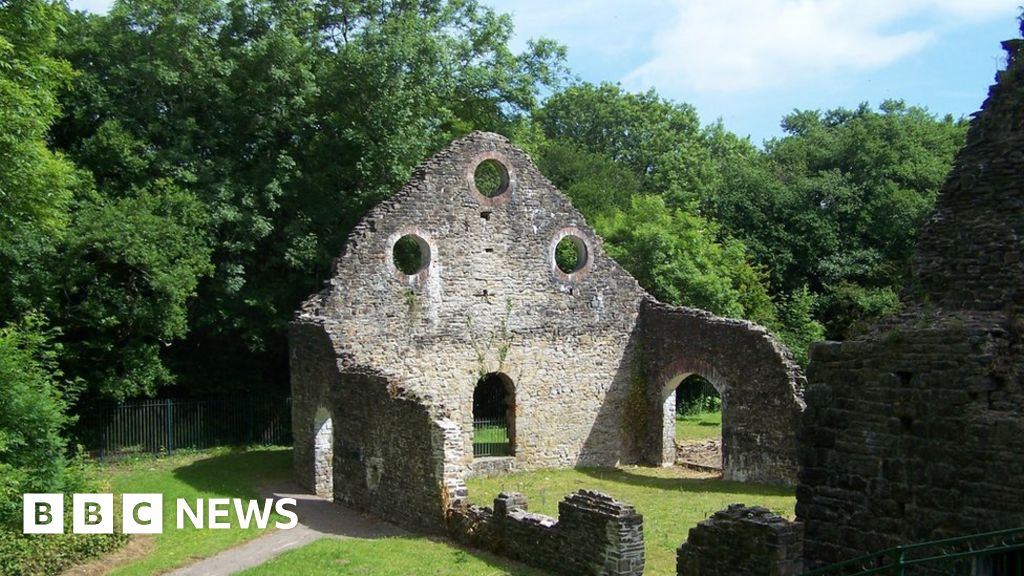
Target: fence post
column 898, row 567
column 168, row 409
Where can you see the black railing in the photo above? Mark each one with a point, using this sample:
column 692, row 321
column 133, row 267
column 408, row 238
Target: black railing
column 490, row 437
column 163, row 426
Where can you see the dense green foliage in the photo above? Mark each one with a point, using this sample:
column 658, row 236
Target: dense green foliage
column 181, row 175
column 285, row 121
column 835, row 205
column 32, row 416
column 813, row 232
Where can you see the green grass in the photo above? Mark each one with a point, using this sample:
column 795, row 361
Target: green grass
column 699, row 426
column 238, row 474
column 388, row 556
column 671, row 500
column 490, row 435
column 219, row 473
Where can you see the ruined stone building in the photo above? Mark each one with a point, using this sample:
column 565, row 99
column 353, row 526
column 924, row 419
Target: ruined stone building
column 915, row 431
column 449, row 300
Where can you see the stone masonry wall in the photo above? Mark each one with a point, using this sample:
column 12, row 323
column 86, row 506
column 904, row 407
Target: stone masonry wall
column 916, row 434
column 393, row 359
column 594, row 534
column 916, row 431
column 760, row 385
column 385, row 456
column 490, row 300
column 969, row 254
column 751, row 541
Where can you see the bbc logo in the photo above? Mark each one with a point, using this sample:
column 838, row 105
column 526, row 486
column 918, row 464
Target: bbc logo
column 92, row 513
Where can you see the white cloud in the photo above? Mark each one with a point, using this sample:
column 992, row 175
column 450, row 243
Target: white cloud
column 720, row 46
column 95, row 6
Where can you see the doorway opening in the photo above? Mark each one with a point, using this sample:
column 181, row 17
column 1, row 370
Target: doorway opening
column 697, row 423
column 494, row 416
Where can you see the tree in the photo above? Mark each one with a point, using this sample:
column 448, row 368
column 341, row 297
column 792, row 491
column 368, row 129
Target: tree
column 674, row 255
column 658, row 141
column 286, row 121
column 36, row 185
column 836, row 204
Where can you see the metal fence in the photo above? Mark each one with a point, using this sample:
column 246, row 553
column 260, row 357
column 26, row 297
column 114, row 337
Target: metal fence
column 990, row 554
column 163, row 426
column 490, row 437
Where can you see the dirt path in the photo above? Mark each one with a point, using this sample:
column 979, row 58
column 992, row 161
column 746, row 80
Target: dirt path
column 318, row 518
column 705, row 455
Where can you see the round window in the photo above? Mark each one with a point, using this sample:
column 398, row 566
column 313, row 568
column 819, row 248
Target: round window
column 411, row 254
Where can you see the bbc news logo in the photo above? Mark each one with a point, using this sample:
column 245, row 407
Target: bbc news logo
column 143, row 513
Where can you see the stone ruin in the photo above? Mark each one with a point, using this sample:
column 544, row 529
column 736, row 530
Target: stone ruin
column 915, row 431
column 388, row 360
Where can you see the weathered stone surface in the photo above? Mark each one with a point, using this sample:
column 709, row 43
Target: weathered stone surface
column 760, row 385
column 594, row 534
column 751, row 541
column 916, row 431
column 587, row 356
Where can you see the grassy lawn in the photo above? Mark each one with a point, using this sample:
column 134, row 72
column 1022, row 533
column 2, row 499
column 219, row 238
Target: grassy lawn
column 699, row 426
column 221, row 473
column 490, row 435
column 672, row 500
column 215, row 473
column 387, row 556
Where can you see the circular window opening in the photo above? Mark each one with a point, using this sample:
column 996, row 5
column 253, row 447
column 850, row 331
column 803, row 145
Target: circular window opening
column 490, row 178
column 411, row 254
column 570, row 254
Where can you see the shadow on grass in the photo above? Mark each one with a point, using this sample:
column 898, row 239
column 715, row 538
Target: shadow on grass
column 501, row 564
column 237, row 474
column 684, row 484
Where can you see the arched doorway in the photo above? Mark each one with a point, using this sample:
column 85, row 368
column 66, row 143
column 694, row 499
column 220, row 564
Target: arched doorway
column 697, row 429
column 323, row 454
column 494, row 416
column 694, row 406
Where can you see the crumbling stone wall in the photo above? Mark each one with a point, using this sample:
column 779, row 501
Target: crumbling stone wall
column 760, row 385
column 394, row 357
column 916, row 431
column 752, row 541
column 594, row 534
column 386, row 456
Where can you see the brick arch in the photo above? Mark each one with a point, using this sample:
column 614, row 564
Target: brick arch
column 760, row 385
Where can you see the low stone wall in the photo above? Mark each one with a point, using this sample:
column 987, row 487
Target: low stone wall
column 751, row 541
column 594, row 534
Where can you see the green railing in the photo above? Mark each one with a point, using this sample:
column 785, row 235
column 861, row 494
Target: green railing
column 490, row 437
column 990, row 554
column 166, row 425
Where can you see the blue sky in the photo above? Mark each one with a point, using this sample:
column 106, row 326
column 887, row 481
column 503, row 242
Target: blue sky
column 750, row 62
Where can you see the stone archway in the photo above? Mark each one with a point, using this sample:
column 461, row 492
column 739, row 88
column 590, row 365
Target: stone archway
column 670, row 379
column 759, row 384
column 494, row 416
